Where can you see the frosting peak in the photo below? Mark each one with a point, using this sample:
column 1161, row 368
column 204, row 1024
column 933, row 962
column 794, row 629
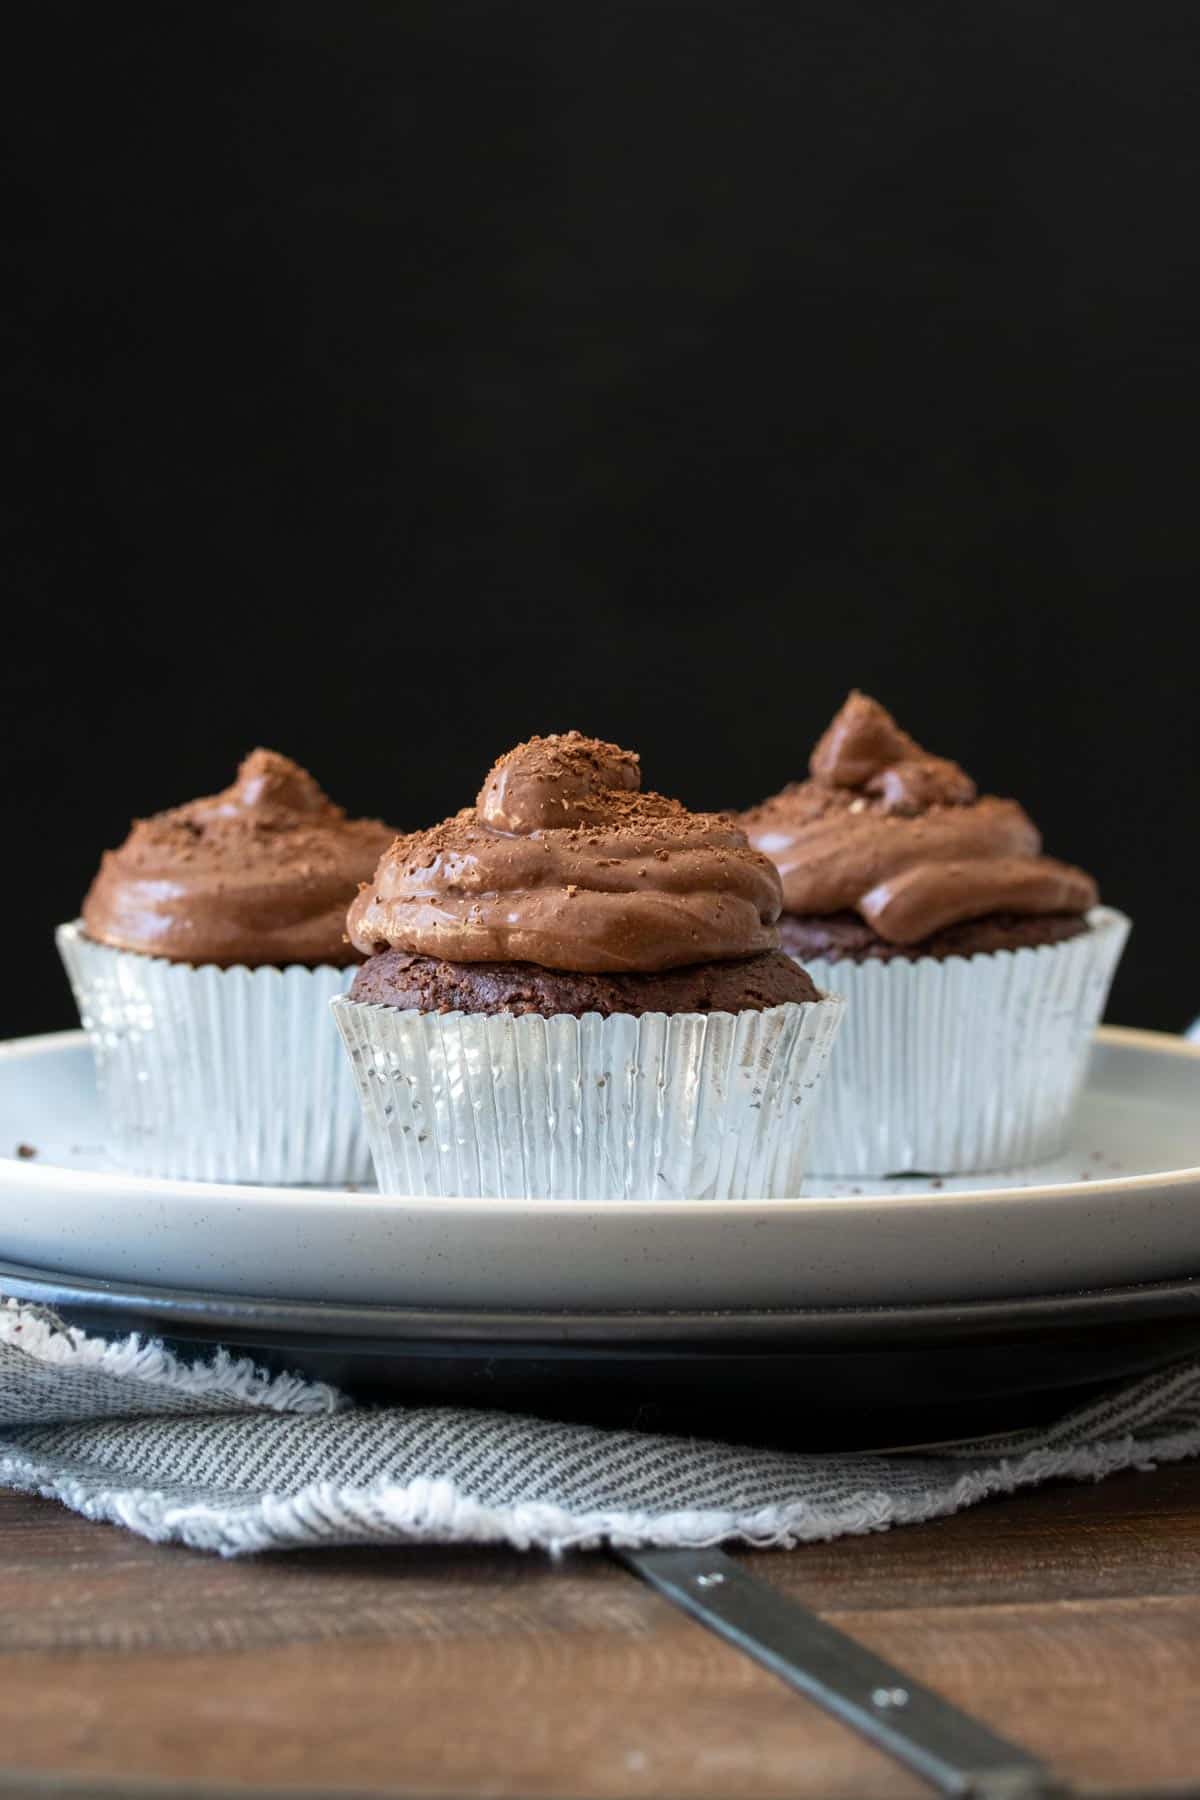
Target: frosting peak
column 864, row 747
column 259, row 873
column 565, row 862
column 903, row 838
column 566, row 779
column 861, row 740
column 267, row 779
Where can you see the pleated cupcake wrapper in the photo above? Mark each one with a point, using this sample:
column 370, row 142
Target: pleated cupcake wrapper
column 971, row 1063
column 688, row 1106
column 218, row 1074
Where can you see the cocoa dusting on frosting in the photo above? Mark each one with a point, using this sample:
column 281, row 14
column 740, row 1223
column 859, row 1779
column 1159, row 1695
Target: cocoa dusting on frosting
column 564, row 862
column 259, row 874
column 900, row 837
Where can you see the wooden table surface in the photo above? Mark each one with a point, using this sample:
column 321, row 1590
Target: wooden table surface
column 1068, row 1619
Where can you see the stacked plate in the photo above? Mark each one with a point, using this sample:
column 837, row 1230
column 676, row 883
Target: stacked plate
column 914, row 1310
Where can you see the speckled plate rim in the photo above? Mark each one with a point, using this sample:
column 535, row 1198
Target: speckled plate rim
column 233, row 1195
column 962, row 1240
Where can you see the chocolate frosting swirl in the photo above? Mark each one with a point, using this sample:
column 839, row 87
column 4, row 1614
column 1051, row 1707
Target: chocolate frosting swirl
column 259, row 874
column 902, row 838
column 564, row 862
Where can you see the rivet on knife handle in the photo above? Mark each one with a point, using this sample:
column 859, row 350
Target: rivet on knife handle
column 915, row 1725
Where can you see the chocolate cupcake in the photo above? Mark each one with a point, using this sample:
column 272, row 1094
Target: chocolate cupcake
column 975, row 967
column 209, row 948
column 574, row 990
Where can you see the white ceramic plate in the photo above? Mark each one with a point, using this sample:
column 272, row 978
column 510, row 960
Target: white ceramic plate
column 1122, row 1206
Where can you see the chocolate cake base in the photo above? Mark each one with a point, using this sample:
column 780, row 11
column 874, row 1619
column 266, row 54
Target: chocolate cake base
column 427, row 984
column 843, row 937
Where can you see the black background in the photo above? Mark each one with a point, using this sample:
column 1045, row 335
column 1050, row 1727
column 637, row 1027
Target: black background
column 389, row 381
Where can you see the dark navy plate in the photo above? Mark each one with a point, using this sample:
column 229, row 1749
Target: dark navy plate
column 813, row 1378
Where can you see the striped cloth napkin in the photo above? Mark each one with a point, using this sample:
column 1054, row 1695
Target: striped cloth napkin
column 220, row 1456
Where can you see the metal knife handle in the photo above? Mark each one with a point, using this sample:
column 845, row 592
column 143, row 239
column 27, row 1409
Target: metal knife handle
column 915, row 1725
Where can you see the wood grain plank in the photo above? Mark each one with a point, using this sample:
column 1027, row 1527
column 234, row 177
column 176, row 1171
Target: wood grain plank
column 1068, row 1619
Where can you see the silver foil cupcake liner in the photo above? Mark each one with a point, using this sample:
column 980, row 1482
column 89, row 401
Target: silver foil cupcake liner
column 687, row 1106
column 947, row 1067
column 218, row 1074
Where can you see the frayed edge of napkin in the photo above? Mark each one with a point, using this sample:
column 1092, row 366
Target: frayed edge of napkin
column 40, row 1334
column 424, row 1512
